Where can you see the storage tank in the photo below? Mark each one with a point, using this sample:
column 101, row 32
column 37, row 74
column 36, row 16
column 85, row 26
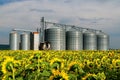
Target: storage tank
column 56, row 37
column 74, row 40
column 34, row 41
column 102, row 41
column 24, row 41
column 89, row 41
column 13, row 41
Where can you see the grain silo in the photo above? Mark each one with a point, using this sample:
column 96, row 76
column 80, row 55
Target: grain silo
column 34, row 41
column 74, row 40
column 89, row 41
column 13, row 41
column 24, row 41
column 56, row 37
column 102, row 41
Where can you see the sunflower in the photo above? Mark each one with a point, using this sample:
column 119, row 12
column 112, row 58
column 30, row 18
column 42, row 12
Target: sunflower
column 118, row 62
column 111, row 54
column 89, row 77
column 100, row 76
column 115, row 62
column 55, row 72
column 57, row 60
column 90, row 64
column 5, row 63
column 104, row 58
column 64, row 75
column 4, row 77
column 72, row 64
column 98, row 63
column 75, row 67
column 57, row 75
column 31, row 57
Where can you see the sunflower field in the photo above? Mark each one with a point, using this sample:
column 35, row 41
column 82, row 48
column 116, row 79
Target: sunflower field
column 59, row 65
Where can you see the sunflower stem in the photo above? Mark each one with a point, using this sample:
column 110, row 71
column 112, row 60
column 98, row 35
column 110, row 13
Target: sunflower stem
column 38, row 67
column 13, row 73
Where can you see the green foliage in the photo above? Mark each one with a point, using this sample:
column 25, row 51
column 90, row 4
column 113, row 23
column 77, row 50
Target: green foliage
column 60, row 65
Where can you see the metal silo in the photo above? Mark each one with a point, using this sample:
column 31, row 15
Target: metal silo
column 89, row 41
column 102, row 41
column 74, row 40
column 24, row 41
column 13, row 41
column 34, row 41
column 56, row 37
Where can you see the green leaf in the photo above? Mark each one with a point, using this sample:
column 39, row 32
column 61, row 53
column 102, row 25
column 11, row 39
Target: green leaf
column 19, row 78
column 72, row 76
column 46, row 73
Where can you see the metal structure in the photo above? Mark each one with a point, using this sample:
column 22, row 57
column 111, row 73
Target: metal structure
column 74, row 40
column 102, row 41
column 56, row 38
column 89, row 41
column 22, row 30
column 42, row 30
column 24, row 38
column 34, row 41
column 13, row 41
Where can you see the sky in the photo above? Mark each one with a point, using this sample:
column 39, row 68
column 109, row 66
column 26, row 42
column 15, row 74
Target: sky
column 26, row 14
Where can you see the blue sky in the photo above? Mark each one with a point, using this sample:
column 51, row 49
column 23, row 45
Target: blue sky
column 25, row 14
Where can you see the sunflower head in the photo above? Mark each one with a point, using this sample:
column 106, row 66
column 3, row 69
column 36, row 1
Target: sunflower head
column 89, row 77
column 98, row 63
column 111, row 54
column 104, row 58
column 116, row 62
column 101, row 76
column 57, row 63
column 64, row 75
column 6, row 64
column 57, row 75
column 72, row 65
column 88, row 64
column 75, row 67
column 55, row 72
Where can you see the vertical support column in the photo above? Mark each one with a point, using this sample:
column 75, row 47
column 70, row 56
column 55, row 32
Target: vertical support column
column 42, row 30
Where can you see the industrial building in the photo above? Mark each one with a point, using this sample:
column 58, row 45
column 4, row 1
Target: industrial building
column 59, row 37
